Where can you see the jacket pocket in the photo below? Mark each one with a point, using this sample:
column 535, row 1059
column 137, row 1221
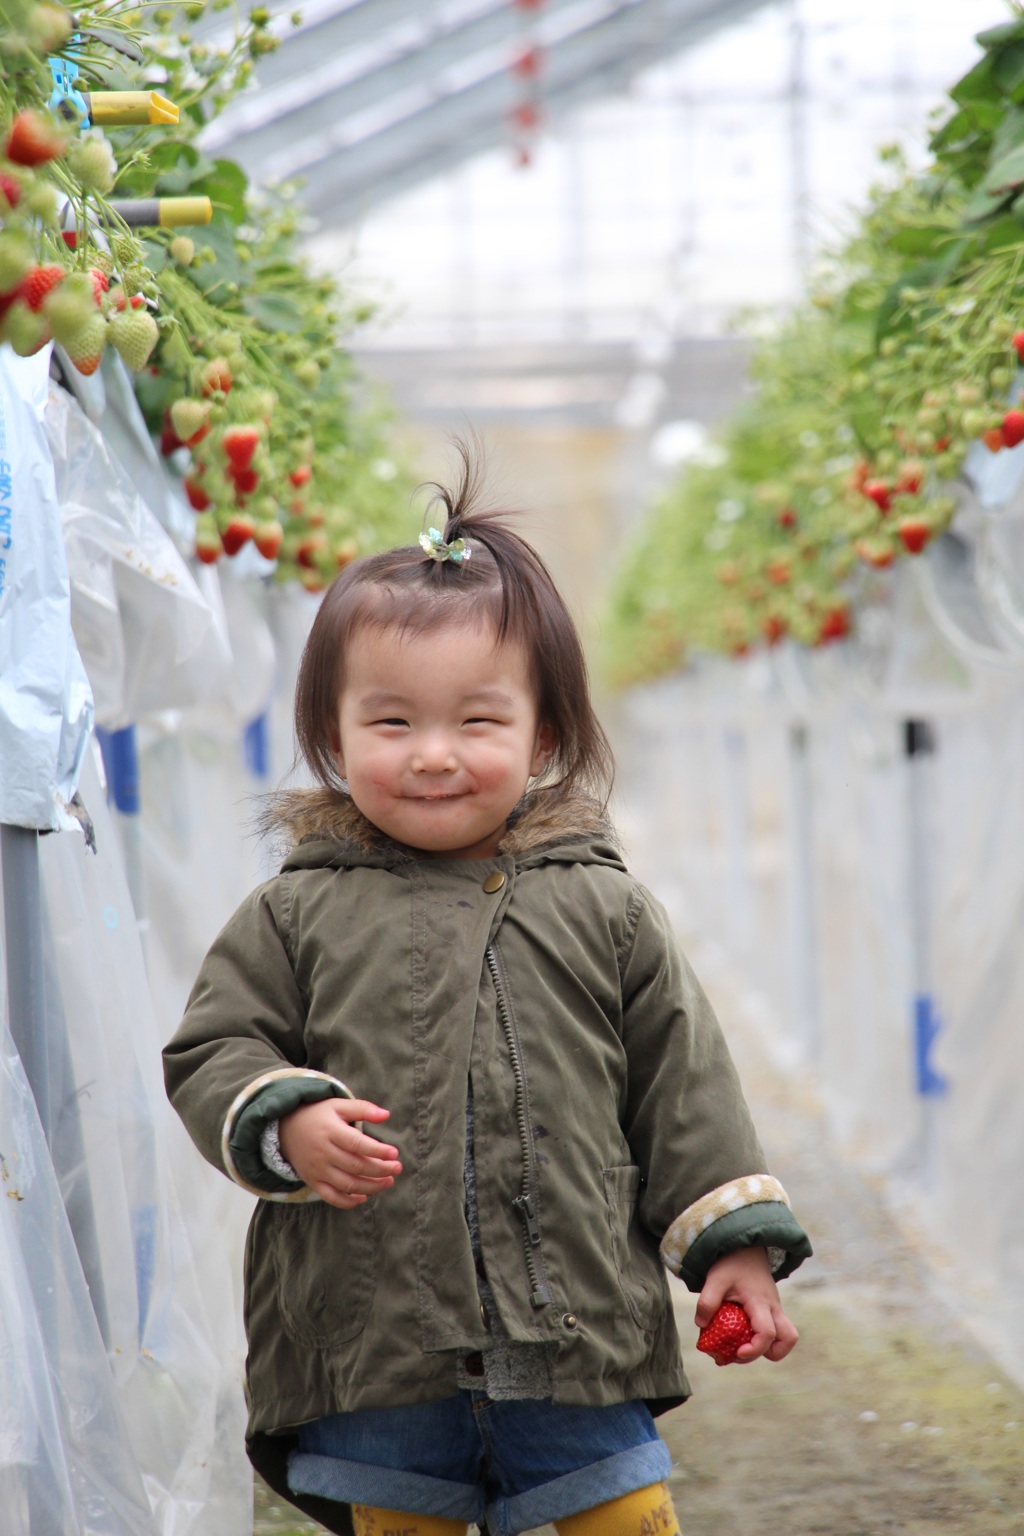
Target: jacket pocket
column 637, row 1262
column 325, row 1264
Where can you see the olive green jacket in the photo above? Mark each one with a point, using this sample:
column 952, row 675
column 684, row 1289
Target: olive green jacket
column 609, row 1120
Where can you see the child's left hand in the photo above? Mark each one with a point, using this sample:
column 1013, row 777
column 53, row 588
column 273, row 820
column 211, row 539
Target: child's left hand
column 744, row 1277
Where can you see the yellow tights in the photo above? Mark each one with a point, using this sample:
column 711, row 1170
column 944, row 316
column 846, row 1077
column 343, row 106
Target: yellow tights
column 647, row 1512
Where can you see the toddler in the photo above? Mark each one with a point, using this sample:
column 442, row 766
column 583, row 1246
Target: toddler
column 454, row 1048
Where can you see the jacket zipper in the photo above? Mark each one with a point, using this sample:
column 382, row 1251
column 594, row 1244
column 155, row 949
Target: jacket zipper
column 540, row 1294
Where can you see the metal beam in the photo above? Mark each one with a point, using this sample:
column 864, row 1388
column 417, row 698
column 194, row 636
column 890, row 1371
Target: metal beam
column 414, row 116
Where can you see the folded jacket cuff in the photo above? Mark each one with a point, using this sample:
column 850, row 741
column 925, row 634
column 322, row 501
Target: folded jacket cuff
column 749, row 1212
column 267, row 1098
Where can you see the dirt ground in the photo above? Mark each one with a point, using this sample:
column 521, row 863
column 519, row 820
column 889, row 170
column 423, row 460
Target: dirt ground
column 887, row 1418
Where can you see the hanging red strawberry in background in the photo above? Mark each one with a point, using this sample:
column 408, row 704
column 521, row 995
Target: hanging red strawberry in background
column 35, row 137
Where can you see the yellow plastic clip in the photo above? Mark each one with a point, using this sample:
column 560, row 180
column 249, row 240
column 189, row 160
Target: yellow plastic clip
column 184, row 210
column 118, row 109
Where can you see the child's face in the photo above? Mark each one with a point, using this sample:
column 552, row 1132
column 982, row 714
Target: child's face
column 439, row 736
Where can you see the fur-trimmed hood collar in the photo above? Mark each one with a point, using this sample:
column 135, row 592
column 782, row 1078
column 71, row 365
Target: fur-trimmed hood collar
column 323, row 827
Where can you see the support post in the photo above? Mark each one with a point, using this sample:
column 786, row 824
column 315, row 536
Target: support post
column 919, row 747
column 805, row 934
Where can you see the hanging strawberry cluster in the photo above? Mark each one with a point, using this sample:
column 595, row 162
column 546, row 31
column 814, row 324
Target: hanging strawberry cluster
column 907, row 355
column 232, row 340
column 54, row 286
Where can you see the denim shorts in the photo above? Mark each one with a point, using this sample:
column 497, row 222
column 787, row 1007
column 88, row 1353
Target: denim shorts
column 520, row 1464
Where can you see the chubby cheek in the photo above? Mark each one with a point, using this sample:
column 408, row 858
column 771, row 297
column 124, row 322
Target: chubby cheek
column 374, row 773
column 495, row 773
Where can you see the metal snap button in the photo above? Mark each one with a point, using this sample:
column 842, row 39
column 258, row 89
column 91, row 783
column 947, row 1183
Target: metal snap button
column 483, row 1316
column 494, row 882
column 570, row 1321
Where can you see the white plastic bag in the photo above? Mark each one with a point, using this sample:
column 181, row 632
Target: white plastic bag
column 46, row 706
column 147, row 635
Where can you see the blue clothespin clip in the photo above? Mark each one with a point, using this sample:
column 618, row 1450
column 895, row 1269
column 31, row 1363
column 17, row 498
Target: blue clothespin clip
column 65, row 102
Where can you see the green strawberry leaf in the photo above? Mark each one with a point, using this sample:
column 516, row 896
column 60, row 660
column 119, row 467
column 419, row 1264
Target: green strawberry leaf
column 1008, row 70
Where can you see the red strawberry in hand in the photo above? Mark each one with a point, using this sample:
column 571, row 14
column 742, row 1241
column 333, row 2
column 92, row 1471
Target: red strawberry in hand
column 727, row 1330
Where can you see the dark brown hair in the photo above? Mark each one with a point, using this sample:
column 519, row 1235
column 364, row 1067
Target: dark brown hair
column 506, row 584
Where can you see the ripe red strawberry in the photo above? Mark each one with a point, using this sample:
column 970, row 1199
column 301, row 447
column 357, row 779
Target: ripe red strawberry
column 39, row 282
column 267, row 537
column 835, row 624
column 34, row 137
column 915, row 533
column 879, row 492
column 311, row 551
column 1018, row 344
column 301, row 475
column 787, row 518
column 773, row 628
column 245, row 480
column 1012, row 429
column 240, row 443
column 10, row 190
column 727, row 1330
column 197, row 497
column 993, row 439
column 208, row 541
column 238, row 531
column 216, row 375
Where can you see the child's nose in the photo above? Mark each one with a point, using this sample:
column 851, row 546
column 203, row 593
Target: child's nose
column 434, row 753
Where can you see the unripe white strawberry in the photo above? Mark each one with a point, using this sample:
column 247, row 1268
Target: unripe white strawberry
column 134, row 333
column 183, row 250
column 85, row 347
column 91, row 159
column 127, row 250
column 40, row 199
column 134, row 278
column 67, row 309
column 49, row 27
column 190, row 419
column 24, row 329
column 16, row 260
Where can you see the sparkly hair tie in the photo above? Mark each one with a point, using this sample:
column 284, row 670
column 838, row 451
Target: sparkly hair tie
column 432, row 543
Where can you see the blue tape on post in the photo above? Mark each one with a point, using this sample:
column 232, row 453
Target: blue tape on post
column 121, row 765
column 256, row 745
column 930, row 1083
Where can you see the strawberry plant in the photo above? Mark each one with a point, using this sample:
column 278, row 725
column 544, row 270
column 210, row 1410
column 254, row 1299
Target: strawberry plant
column 236, row 346
column 907, row 351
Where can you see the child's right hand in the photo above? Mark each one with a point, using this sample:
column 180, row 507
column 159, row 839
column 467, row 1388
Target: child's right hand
column 339, row 1162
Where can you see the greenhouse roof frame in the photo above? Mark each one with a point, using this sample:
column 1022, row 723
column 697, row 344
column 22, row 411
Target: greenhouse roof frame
column 369, row 98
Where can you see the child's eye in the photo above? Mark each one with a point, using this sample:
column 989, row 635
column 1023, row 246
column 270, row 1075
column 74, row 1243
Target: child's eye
column 480, row 720
column 391, row 722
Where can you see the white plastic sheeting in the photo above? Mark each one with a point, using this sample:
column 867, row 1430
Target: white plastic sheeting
column 46, row 706
column 121, row 1405
column 147, row 635
column 66, row 1463
column 873, row 898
